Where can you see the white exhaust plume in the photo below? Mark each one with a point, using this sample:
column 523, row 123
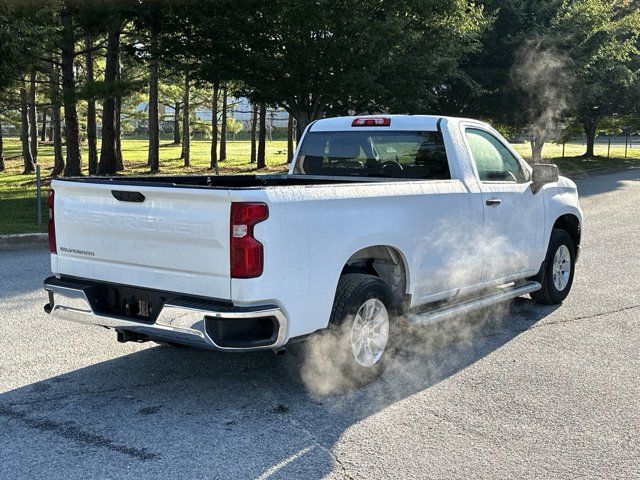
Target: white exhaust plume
column 409, row 351
column 540, row 72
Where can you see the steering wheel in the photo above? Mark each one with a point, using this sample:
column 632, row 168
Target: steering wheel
column 391, row 166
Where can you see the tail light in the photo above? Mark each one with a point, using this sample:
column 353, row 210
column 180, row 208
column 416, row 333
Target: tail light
column 52, row 224
column 247, row 255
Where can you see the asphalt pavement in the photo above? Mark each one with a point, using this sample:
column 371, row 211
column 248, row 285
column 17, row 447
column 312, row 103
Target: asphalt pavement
column 529, row 392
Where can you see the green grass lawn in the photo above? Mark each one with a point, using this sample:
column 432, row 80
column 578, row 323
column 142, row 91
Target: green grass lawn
column 17, row 191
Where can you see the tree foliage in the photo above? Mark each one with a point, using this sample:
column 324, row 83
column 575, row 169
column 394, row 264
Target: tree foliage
column 528, row 66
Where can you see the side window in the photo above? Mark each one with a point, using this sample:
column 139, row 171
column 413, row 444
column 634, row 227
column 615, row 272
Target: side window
column 494, row 161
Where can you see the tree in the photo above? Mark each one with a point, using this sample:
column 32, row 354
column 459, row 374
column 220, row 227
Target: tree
column 117, row 122
column 43, row 132
column 25, row 128
column 262, row 138
column 1, row 149
column 186, row 121
column 177, row 110
column 25, row 28
column 289, row 139
column 317, row 64
column 153, row 125
column 601, row 39
column 214, row 127
column 223, row 129
column 108, row 159
column 73, row 165
column 514, row 78
column 254, row 123
column 33, row 117
column 54, row 93
column 91, row 108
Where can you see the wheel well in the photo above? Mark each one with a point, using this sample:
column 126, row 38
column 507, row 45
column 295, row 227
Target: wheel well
column 570, row 224
column 386, row 263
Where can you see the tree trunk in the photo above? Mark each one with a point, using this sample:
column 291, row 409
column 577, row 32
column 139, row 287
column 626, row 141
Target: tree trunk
column 118, row 120
column 254, row 128
column 303, row 119
column 33, row 118
column 590, row 126
column 176, row 124
column 73, row 165
column 24, row 131
column 186, row 121
column 290, row 139
column 536, row 148
column 43, row 132
column 254, row 123
column 1, row 150
column 214, row 128
column 56, row 134
column 262, row 137
column 91, row 110
column 154, row 132
column 108, row 163
column 223, row 128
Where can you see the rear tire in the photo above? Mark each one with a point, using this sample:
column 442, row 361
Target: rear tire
column 361, row 320
column 556, row 274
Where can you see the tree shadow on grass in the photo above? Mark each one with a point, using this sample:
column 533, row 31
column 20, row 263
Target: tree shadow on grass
column 190, row 413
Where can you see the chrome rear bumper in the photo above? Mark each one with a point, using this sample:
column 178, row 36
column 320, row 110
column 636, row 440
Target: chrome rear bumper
column 181, row 320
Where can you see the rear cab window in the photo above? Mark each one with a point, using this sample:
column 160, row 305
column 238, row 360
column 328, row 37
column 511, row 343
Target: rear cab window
column 372, row 153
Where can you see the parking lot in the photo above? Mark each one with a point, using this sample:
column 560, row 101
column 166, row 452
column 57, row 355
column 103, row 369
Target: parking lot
column 530, row 392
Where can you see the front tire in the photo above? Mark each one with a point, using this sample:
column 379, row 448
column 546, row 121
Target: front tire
column 556, row 275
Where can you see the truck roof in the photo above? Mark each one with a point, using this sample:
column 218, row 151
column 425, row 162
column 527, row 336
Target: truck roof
column 398, row 122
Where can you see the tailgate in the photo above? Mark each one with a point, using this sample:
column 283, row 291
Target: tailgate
column 176, row 239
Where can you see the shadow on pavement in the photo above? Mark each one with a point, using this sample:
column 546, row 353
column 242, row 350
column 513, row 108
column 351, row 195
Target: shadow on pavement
column 190, row 413
column 599, row 184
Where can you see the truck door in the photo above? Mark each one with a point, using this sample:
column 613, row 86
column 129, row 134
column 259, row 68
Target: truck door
column 513, row 231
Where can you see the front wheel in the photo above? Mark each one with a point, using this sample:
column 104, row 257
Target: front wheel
column 556, row 275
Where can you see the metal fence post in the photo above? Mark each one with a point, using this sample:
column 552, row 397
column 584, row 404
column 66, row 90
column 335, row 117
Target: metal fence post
column 609, row 149
column 563, row 144
column 38, row 196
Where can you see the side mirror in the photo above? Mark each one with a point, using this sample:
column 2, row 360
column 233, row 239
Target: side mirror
column 543, row 173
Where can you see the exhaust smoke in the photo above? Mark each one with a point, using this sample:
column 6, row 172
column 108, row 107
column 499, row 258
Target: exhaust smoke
column 415, row 351
column 540, row 73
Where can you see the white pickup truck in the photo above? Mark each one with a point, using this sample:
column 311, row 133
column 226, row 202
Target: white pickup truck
column 378, row 217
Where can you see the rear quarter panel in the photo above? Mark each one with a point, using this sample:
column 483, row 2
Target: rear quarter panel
column 313, row 230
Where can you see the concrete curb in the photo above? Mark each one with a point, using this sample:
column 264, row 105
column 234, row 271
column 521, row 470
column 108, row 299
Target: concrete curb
column 23, row 240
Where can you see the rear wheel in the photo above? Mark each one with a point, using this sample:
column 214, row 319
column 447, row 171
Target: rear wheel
column 361, row 323
column 556, row 275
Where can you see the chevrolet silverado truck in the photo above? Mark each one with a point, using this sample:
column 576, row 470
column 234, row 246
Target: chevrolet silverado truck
column 379, row 219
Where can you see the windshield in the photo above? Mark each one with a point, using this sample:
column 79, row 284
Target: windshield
column 399, row 154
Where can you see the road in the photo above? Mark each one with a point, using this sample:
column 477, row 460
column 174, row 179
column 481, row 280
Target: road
column 530, row 392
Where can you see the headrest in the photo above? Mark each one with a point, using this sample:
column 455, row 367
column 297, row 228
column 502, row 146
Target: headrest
column 344, row 147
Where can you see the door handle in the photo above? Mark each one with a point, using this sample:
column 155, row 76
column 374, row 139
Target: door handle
column 493, row 202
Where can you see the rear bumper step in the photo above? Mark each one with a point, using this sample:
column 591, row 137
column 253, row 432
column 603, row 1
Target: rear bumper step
column 180, row 320
column 476, row 303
